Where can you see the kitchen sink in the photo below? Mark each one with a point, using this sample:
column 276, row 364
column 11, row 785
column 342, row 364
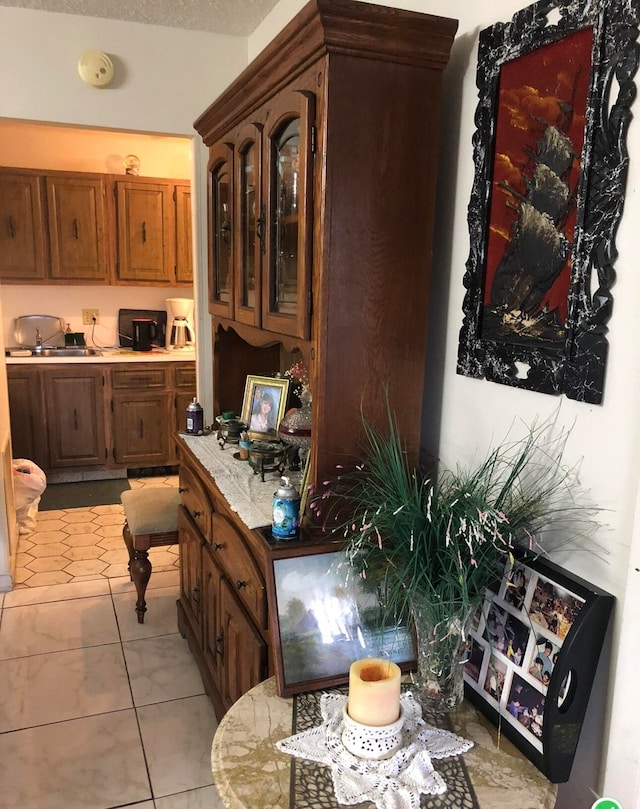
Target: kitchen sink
column 57, row 351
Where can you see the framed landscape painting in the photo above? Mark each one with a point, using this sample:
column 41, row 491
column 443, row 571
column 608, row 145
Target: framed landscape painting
column 323, row 619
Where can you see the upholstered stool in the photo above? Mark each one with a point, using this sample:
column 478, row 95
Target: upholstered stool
column 151, row 519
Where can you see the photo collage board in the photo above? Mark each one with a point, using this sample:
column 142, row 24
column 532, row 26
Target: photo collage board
column 526, row 646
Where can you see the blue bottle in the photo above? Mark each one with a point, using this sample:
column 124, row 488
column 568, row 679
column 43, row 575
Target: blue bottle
column 286, row 511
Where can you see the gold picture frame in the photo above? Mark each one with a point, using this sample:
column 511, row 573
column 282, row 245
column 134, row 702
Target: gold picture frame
column 260, row 392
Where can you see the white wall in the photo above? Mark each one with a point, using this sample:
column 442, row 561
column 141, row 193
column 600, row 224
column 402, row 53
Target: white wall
column 462, row 416
column 164, row 78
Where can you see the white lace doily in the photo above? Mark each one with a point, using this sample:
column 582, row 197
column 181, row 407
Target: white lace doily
column 393, row 783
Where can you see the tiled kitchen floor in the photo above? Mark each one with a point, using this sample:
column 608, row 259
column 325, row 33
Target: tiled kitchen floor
column 80, row 544
column 96, row 710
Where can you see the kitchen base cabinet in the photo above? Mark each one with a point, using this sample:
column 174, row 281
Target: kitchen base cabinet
column 141, row 428
column 74, row 400
column 28, row 434
column 93, row 417
column 222, row 609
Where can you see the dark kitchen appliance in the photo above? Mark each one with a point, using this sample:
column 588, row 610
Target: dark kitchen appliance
column 144, row 333
column 125, row 325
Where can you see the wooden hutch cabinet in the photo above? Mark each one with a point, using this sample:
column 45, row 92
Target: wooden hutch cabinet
column 323, row 158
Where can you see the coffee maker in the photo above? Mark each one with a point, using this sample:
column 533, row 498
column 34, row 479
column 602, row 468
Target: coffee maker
column 180, row 323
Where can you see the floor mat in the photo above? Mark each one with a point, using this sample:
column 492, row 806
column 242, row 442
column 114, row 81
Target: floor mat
column 84, row 493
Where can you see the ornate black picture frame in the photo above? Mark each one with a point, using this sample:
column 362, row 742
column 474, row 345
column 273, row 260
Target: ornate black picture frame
column 556, row 85
column 533, row 654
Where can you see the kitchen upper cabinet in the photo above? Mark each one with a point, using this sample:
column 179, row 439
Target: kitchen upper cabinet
column 72, row 227
column 77, row 228
column 74, row 401
column 23, row 234
column 184, row 246
column 146, row 232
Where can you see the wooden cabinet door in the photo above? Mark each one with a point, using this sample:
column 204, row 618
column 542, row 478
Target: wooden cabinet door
column 75, row 416
column 190, row 547
column 28, row 438
column 249, row 218
column 141, row 428
column 212, row 638
column 220, row 230
column 146, row 222
column 243, row 650
column 184, row 248
column 22, row 230
column 287, row 193
column 77, row 228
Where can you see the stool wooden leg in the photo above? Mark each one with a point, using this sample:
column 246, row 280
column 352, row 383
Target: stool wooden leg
column 128, row 541
column 140, row 574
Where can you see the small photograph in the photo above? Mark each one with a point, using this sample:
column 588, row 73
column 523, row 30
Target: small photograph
column 544, row 660
column 496, row 675
column 526, row 704
column 554, row 608
column 474, row 662
column 507, row 634
column 516, row 583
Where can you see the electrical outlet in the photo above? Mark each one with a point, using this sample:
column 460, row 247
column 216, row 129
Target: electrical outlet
column 90, row 316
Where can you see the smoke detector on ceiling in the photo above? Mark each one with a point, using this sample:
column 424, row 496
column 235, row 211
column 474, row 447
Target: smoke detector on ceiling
column 95, row 68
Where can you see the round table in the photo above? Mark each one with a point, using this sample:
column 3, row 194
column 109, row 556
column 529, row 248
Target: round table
column 249, row 771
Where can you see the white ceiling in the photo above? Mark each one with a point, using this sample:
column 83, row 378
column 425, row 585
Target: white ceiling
column 238, row 17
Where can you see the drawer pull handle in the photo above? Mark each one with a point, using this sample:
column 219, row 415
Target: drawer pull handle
column 11, row 227
column 219, row 644
column 75, row 419
column 75, row 229
column 195, row 594
column 195, row 514
column 241, row 584
column 181, row 490
column 144, row 232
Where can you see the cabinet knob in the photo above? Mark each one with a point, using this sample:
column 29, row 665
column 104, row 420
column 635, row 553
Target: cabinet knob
column 219, row 644
column 241, row 584
column 195, row 594
column 217, row 546
column 195, row 514
column 181, row 489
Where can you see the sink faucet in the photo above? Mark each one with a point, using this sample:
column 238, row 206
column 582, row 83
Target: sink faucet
column 38, row 338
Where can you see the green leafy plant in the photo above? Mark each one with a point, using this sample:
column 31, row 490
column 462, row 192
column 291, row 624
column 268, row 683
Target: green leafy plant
column 442, row 539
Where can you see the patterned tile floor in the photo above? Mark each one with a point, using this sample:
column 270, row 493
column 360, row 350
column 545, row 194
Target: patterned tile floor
column 82, row 544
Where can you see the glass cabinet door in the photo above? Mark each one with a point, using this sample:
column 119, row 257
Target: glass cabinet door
column 250, row 229
column 288, row 189
column 221, row 231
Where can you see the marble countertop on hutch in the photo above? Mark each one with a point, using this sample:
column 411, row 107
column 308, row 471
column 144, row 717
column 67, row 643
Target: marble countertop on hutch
column 249, row 771
column 246, row 494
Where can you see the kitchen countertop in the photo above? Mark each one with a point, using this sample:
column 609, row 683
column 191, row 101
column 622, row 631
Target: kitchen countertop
column 110, row 355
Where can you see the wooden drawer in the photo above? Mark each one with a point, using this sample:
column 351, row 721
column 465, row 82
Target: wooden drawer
column 231, row 554
column 186, row 377
column 196, row 501
column 139, row 378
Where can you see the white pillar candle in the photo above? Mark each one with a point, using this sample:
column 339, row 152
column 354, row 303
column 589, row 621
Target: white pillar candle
column 374, row 692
